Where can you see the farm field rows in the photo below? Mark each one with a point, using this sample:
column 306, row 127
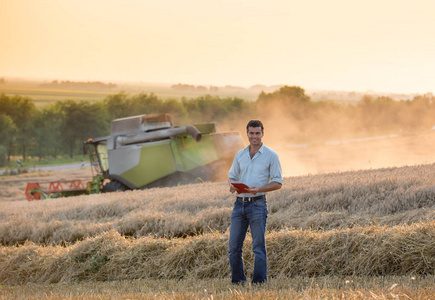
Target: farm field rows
column 48, row 95
column 43, row 96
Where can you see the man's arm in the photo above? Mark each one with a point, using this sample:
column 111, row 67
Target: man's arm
column 272, row 186
column 233, row 173
column 232, row 187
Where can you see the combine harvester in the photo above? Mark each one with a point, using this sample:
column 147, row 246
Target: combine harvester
column 149, row 151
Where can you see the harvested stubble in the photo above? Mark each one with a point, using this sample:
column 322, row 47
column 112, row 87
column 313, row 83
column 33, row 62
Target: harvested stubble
column 329, row 201
column 376, row 222
column 363, row 251
column 361, row 288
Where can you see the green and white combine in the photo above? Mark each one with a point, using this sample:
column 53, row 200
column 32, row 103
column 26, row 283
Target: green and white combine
column 149, row 151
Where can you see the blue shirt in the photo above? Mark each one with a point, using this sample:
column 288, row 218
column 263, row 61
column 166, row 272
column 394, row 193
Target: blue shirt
column 263, row 168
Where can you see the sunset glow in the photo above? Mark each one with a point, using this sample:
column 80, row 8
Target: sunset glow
column 385, row 46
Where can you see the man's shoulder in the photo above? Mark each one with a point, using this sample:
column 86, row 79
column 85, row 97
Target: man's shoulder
column 269, row 151
column 241, row 151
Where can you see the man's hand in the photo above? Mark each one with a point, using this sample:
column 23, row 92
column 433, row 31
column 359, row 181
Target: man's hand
column 232, row 187
column 272, row 186
column 254, row 189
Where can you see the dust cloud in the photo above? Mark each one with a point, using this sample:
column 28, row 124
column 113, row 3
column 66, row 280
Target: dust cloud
column 312, row 147
column 356, row 155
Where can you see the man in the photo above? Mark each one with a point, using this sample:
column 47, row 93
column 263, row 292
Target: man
column 258, row 167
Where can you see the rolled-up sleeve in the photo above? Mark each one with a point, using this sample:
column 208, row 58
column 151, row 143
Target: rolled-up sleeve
column 275, row 169
column 234, row 172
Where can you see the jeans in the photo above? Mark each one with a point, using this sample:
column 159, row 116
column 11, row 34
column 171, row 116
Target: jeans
column 254, row 215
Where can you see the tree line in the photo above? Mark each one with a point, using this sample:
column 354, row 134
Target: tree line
column 79, row 84
column 59, row 129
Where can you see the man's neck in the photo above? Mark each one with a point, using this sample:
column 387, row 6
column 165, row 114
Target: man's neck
column 254, row 149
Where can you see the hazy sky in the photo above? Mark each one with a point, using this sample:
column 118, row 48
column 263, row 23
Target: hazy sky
column 381, row 45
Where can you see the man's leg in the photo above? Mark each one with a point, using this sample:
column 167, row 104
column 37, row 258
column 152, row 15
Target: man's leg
column 238, row 228
column 258, row 231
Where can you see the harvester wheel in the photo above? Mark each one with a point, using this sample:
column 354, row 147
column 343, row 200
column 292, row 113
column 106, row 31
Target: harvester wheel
column 113, row 186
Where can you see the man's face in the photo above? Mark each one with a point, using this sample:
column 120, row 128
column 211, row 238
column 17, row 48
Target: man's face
column 254, row 135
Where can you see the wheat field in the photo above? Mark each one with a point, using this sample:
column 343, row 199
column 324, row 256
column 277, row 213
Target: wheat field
column 344, row 235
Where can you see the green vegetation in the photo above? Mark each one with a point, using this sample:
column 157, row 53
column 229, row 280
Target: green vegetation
column 32, row 163
column 58, row 129
column 51, row 161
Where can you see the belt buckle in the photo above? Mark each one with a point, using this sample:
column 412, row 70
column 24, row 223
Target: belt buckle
column 246, row 199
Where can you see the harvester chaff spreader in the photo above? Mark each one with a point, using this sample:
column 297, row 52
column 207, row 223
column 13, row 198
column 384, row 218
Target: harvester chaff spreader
column 147, row 151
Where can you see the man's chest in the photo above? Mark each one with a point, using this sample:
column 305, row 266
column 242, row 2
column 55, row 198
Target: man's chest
column 255, row 165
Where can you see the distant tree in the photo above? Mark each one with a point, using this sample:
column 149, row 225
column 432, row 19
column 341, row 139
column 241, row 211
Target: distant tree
column 117, row 105
column 286, row 95
column 81, row 120
column 379, row 114
column 144, row 104
column 202, row 109
column 287, row 102
column 7, row 129
column 420, row 112
column 21, row 110
column 80, row 84
column 426, row 100
column 201, row 88
column 213, row 108
column 176, row 109
column 183, row 87
column 48, row 121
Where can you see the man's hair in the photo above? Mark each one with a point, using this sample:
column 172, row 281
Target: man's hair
column 254, row 123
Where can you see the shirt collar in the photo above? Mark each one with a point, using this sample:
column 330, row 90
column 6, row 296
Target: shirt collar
column 259, row 150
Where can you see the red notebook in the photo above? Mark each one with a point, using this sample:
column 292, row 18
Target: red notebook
column 241, row 187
